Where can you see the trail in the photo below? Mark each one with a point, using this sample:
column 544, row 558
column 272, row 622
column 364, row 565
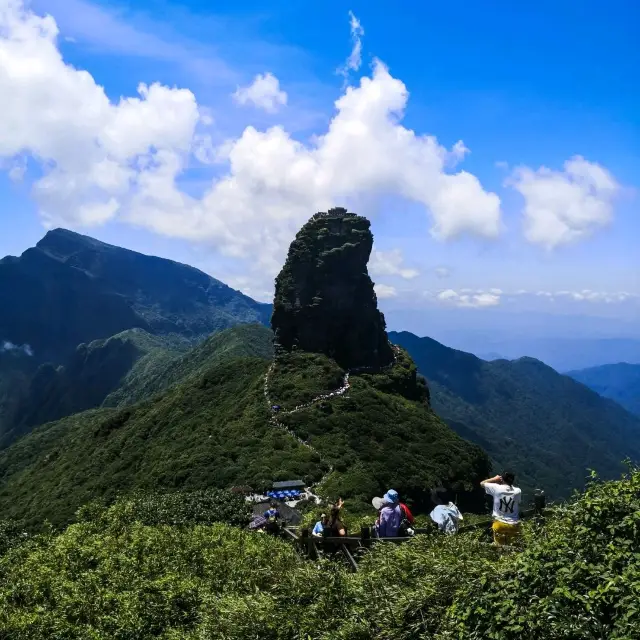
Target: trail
column 340, row 391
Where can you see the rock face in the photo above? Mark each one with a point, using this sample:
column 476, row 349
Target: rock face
column 324, row 300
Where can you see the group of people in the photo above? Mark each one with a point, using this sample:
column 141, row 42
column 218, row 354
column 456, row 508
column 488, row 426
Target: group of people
column 395, row 518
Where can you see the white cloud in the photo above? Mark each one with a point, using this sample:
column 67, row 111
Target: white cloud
column 475, row 300
column 91, row 150
column 274, row 182
column 389, row 263
column 584, row 295
column 385, row 291
column 104, row 160
column 442, row 272
column 565, row 206
column 264, row 93
column 354, row 60
column 5, row 345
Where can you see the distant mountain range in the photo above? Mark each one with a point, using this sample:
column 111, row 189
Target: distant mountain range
column 546, row 426
column 564, row 342
column 620, row 382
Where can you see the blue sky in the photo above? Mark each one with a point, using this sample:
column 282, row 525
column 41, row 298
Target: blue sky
column 215, row 169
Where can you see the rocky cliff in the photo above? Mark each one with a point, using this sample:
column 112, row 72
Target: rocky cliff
column 324, row 300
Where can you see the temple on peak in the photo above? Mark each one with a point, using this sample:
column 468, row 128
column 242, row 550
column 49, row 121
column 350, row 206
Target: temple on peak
column 324, row 300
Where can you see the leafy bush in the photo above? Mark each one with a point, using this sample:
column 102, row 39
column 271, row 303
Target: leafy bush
column 177, row 508
column 579, row 576
column 12, row 534
column 111, row 576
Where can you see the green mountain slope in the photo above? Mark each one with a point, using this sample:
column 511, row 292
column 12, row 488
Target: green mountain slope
column 619, row 382
column 547, row 427
column 148, row 378
column 91, row 374
column 215, row 429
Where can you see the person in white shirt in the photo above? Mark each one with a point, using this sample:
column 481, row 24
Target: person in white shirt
column 506, row 507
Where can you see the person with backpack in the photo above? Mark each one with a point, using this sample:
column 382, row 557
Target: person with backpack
column 506, row 507
column 390, row 518
column 406, row 517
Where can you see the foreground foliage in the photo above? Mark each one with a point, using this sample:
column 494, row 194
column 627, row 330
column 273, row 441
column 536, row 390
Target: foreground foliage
column 124, row 572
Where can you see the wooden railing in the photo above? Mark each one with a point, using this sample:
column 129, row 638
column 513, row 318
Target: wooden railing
column 350, row 546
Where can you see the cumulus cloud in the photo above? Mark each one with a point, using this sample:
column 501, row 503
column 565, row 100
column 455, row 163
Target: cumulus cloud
column 5, row 346
column 354, row 60
column 264, row 93
column 390, row 263
column 385, row 291
column 475, row 300
column 274, row 182
column 561, row 207
column 103, row 160
column 91, row 150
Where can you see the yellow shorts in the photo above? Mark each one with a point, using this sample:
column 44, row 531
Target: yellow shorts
column 504, row 533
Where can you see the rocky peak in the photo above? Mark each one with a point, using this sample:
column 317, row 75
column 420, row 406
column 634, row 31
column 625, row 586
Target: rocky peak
column 324, row 300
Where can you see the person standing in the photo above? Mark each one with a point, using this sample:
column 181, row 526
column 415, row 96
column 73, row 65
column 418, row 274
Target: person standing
column 506, row 507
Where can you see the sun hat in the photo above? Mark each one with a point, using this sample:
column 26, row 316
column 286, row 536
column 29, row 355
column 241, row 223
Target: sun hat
column 391, row 496
column 378, row 503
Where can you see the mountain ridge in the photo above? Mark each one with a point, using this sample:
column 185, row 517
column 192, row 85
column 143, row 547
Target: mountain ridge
column 548, row 427
column 618, row 381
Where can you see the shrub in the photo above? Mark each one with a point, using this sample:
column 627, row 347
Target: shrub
column 579, row 576
column 176, row 508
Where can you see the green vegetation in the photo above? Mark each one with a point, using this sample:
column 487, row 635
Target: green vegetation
column 547, row 427
column 158, row 371
column 127, row 572
column 380, row 434
column 300, row 377
column 91, row 374
column 212, row 431
column 619, row 382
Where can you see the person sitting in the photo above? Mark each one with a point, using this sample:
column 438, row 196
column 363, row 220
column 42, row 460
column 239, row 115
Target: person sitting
column 320, row 525
column 272, row 511
column 506, row 507
column 390, row 519
column 445, row 514
column 407, row 519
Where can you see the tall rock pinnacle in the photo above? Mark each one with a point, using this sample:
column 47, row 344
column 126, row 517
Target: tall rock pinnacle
column 324, row 300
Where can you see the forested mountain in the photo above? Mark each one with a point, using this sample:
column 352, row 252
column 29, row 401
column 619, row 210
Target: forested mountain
column 549, row 428
column 68, row 307
column 205, row 419
column 121, row 370
column 92, row 373
column 620, row 382
column 71, row 289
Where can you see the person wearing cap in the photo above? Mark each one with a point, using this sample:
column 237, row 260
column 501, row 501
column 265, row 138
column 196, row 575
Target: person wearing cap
column 320, row 525
column 390, row 515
